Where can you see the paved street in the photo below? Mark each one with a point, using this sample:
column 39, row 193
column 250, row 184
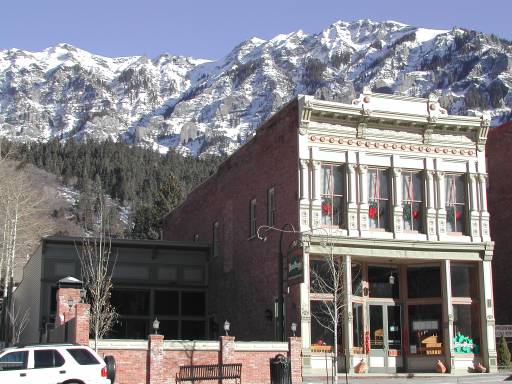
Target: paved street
column 403, row 379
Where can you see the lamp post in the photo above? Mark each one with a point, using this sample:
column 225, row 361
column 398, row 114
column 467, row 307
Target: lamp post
column 280, row 269
column 156, row 325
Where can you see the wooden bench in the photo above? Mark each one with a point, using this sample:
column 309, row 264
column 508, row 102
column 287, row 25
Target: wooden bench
column 209, row 372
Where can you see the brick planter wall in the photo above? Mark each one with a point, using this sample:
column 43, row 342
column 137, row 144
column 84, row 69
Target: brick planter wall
column 156, row 361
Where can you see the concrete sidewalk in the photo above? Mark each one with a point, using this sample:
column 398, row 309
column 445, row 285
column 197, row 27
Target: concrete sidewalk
column 430, row 378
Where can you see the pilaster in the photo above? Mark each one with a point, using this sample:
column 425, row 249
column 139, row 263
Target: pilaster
column 348, row 341
column 474, row 215
column 305, row 314
column 352, row 226
column 316, row 202
column 430, row 219
column 484, row 214
column 398, row 212
column 446, row 286
column 304, row 202
column 363, row 200
column 441, row 198
column 488, row 324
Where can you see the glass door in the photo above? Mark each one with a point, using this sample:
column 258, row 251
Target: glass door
column 385, row 322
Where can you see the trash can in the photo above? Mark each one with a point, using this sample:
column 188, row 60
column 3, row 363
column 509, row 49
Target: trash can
column 280, row 372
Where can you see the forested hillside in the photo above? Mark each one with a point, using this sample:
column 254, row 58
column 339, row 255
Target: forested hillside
column 147, row 183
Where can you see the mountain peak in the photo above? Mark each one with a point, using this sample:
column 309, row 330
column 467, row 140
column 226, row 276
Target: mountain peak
column 201, row 106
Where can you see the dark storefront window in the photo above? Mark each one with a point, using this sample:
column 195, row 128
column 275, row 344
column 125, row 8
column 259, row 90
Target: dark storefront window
column 170, row 329
column 167, row 303
column 380, row 282
column 320, row 335
column 131, row 302
column 320, row 274
column 357, row 279
column 358, row 327
column 425, row 332
column 192, row 303
column 128, row 328
column 464, row 279
column 424, row 281
column 192, row 330
column 466, row 328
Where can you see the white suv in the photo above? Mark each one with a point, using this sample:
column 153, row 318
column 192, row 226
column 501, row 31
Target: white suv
column 53, row 364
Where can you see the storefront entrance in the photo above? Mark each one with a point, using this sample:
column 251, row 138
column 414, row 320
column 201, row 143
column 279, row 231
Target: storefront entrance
column 385, row 337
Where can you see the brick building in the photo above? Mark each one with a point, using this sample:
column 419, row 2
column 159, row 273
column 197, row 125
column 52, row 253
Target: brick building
column 498, row 147
column 391, row 187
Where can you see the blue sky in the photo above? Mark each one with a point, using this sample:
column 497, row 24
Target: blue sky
column 211, row 28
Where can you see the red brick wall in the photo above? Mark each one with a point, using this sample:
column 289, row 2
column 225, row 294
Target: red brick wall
column 243, row 278
column 64, row 312
column 499, row 197
column 132, row 365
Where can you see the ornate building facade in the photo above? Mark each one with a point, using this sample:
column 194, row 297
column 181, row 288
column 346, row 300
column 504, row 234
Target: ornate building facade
column 390, row 188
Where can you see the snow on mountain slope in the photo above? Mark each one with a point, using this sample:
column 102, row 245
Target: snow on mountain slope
column 201, row 106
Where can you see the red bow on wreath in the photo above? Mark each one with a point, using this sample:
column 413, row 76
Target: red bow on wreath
column 415, row 215
column 458, row 215
column 326, row 209
column 372, row 212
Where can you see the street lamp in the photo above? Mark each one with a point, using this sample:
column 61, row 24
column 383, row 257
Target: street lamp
column 156, row 325
column 261, row 233
column 294, row 328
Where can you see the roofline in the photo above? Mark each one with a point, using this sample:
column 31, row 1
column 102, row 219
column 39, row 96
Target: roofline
column 130, row 242
column 472, row 123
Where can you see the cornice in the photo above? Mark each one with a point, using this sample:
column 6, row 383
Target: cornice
column 361, row 114
column 390, row 146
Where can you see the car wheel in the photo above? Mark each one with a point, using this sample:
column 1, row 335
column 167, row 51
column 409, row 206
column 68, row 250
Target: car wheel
column 110, row 361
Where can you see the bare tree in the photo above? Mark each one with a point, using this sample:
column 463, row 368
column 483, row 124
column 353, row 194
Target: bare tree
column 327, row 281
column 18, row 320
column 97, row 265
column 22, row 223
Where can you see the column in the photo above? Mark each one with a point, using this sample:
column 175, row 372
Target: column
column 398, row 211
column 348, row 341
column 305, row 314
column 316, row 198
column 446, row 286
column 80, row 332
column 352, row 200
column 431, row 212
column 484, row 214
column 304, row 179
column 295, row 358
column 304, row 195
column 474, row 216
column 363, row 198
column 227, row 350
column 488, row 343
column 156, row 369
column 441, row 209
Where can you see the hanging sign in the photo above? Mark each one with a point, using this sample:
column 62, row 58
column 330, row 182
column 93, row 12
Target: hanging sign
column 295, row 263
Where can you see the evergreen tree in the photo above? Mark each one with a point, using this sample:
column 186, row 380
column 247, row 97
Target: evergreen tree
column 503, row 354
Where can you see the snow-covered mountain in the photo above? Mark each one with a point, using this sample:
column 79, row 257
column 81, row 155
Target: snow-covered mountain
column 203, row 106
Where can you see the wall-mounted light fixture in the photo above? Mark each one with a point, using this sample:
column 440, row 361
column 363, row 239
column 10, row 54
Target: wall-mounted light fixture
column 227, row 325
